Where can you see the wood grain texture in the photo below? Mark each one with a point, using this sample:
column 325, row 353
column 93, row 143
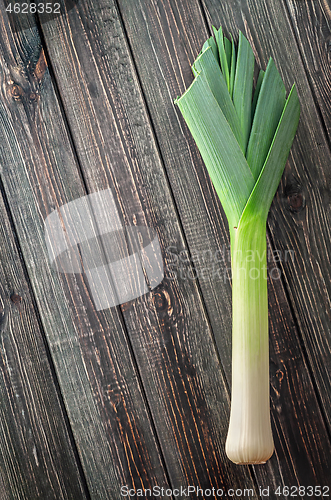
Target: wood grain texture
column 155, row 357
column 95, row 367
column 36, row 454
column 168, row 329
column 165, row 38
column 312, row 26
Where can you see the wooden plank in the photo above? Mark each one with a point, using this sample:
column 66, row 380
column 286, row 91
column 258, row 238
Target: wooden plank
column 36, row 454
column 311, row 22
column 91, row 353
column 165, row 38
column 170, row 334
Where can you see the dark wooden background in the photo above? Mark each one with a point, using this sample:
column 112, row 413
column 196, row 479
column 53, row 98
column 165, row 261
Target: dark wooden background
column 138, row 394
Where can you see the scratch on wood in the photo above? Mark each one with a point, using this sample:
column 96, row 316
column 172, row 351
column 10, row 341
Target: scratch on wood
column 41, row 66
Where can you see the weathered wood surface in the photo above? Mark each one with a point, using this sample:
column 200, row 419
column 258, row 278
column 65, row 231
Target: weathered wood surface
column 36, row 453
column 312, row 26
column 37, row 458
column 114, row 141
column 163, row 51
column 145, row 384
column 96, row 371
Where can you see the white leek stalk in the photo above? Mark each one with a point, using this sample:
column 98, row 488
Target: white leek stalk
column 249, row 437
column 244, row 141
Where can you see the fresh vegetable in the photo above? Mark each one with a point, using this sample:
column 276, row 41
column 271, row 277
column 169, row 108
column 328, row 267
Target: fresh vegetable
column 244, row 138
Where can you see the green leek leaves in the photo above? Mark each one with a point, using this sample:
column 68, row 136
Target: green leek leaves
column 235, row 133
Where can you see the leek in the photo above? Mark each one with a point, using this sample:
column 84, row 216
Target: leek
column 244, row 139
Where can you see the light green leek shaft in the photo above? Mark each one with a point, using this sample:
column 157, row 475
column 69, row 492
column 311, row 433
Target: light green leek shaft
column 249, row 436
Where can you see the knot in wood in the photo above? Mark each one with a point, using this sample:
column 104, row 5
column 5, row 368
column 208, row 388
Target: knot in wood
column 15, row 298
column 16, row 92
column 296, row 202
column 33, row 96
column 112, row 396
column 162, row 301
column 294, row 195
